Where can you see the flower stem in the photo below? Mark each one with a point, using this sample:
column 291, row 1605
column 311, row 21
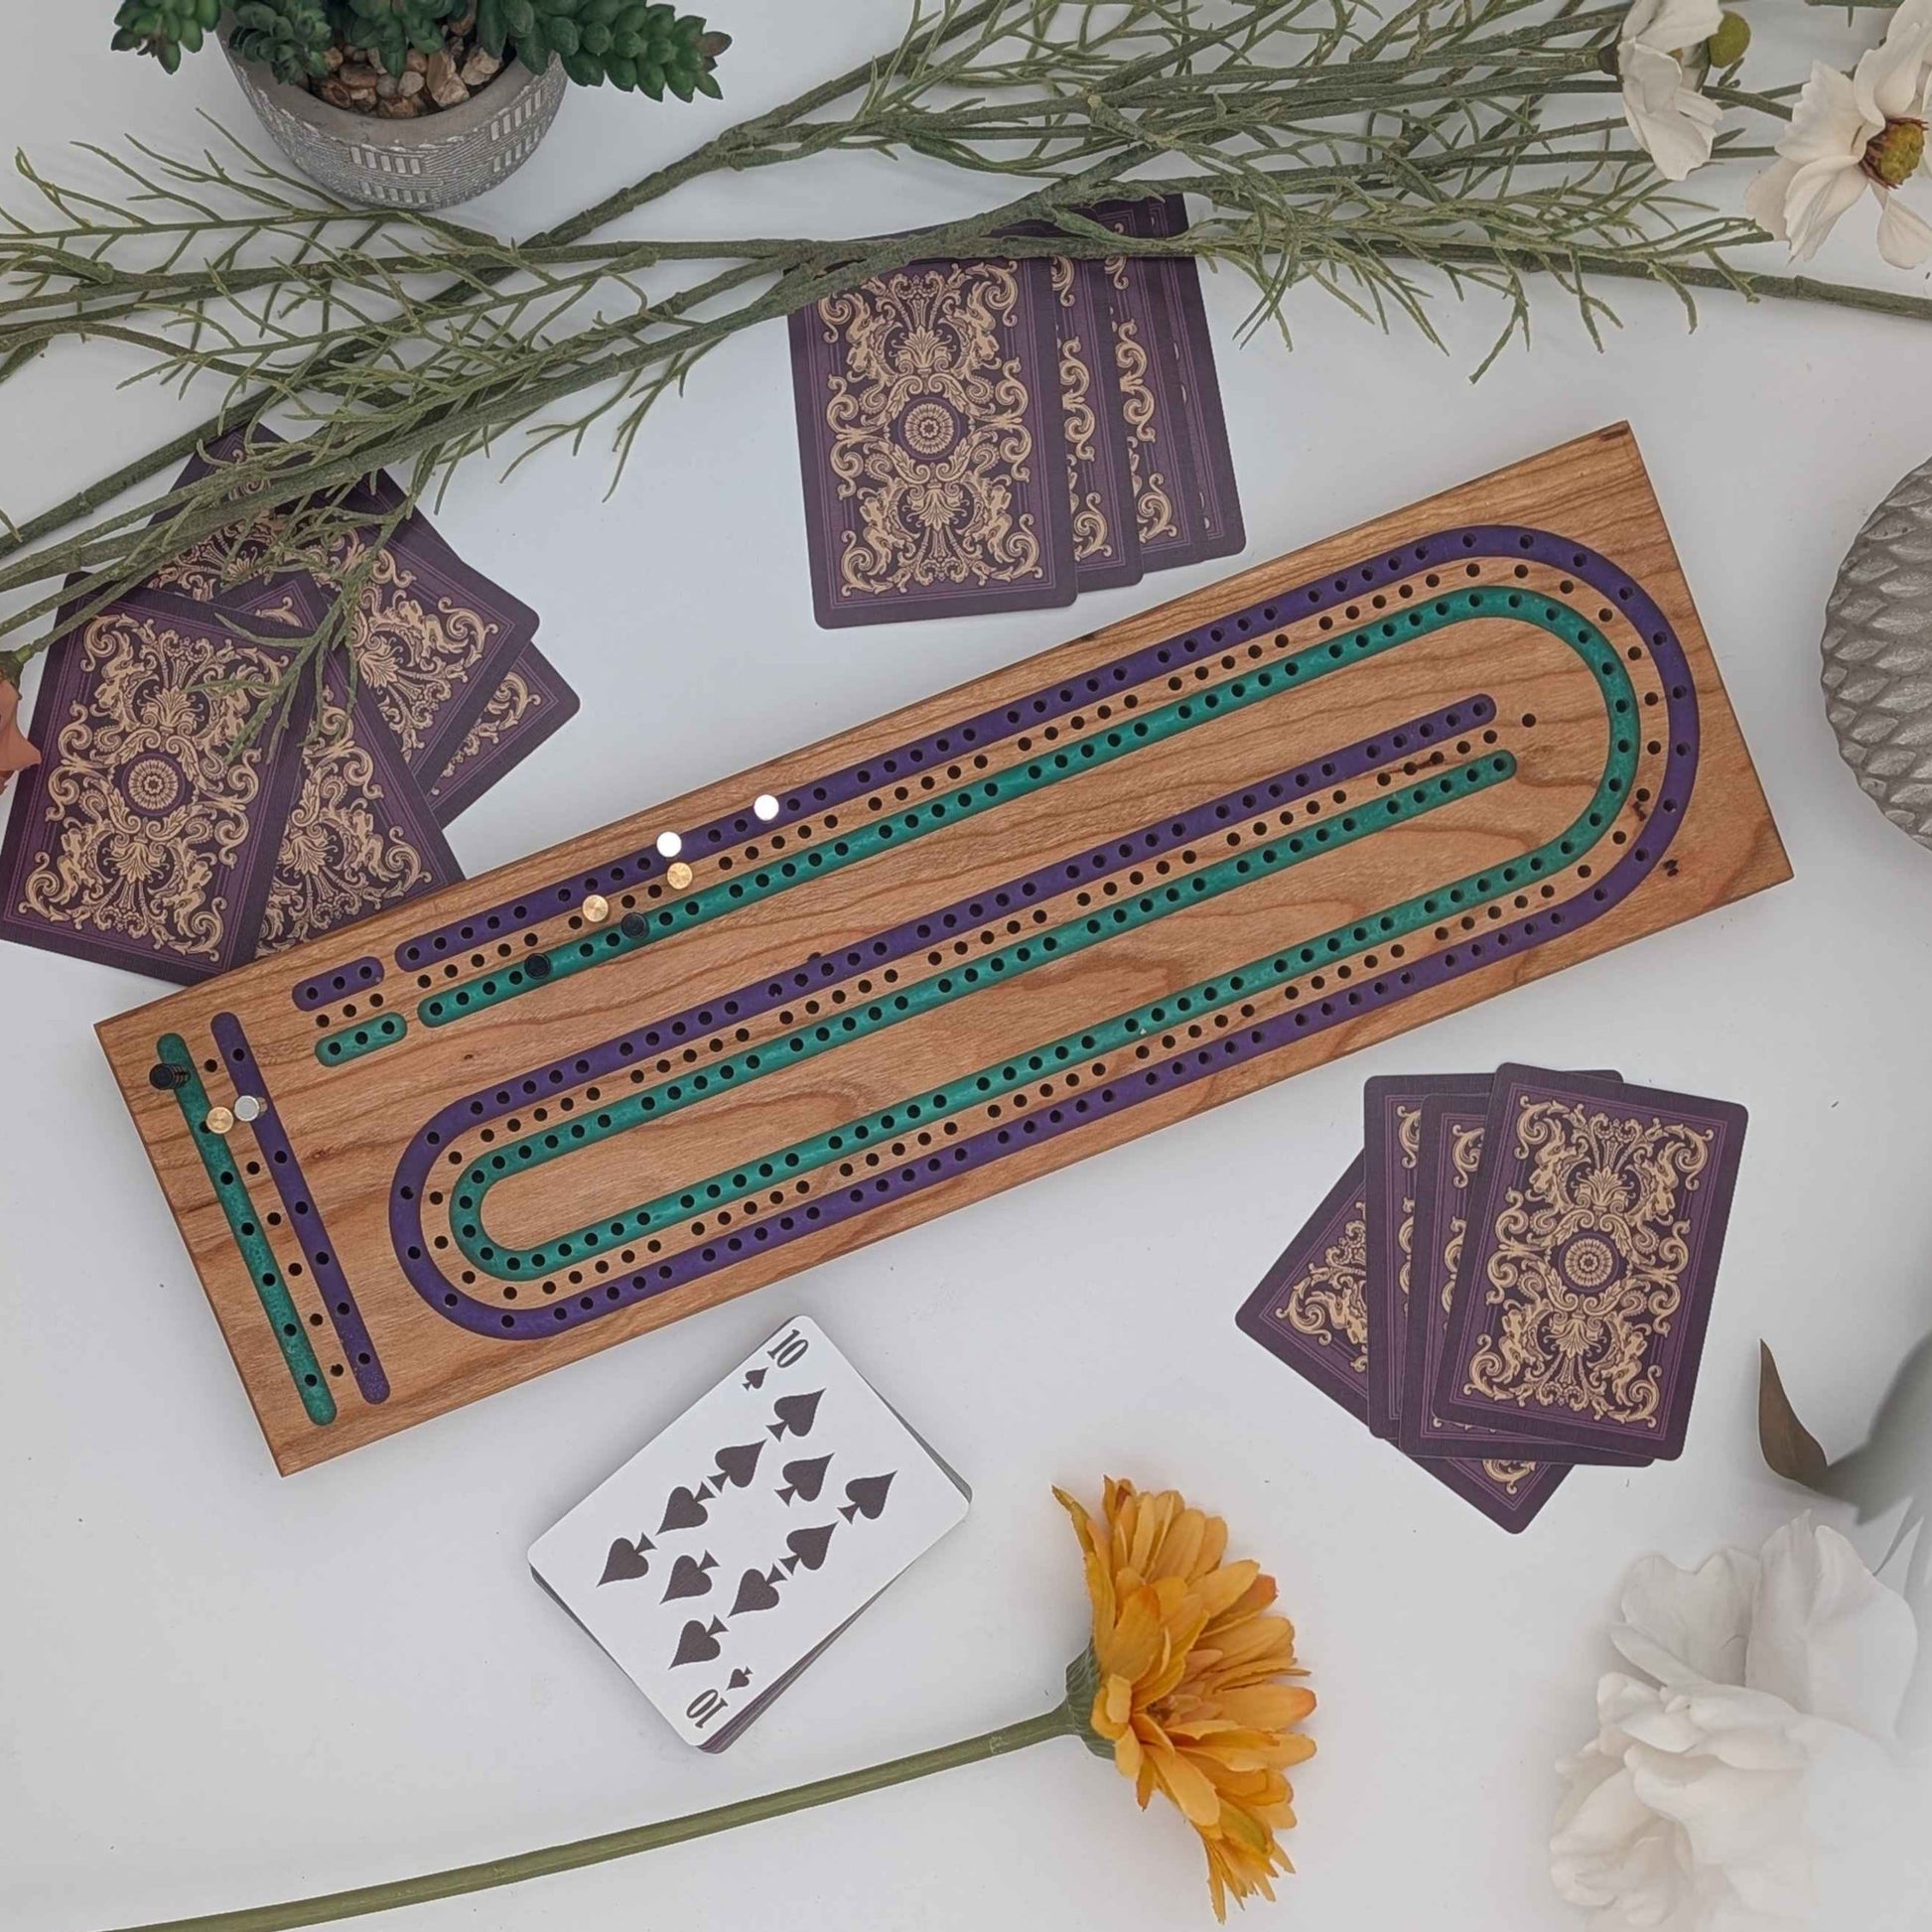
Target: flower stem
column 1062, row 1721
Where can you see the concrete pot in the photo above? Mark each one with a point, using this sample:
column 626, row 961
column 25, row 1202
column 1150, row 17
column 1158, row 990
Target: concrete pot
column 433, row 160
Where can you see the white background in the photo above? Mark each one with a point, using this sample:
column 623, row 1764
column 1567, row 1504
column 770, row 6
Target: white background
column 218, row 1688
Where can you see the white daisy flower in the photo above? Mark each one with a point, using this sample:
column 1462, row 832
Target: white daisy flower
column 1849, row 134
column 1672, row 121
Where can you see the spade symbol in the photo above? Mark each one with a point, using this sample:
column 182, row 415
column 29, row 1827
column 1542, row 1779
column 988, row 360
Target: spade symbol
column 682, row 1512
column 865, row 1496
column 625, row 1560
column 804, row 1478
column 689, row 1578
column 740, row 1678
column 754, row 1378
column 809, row 1546
column 795, row 1412
column 699, row 1643
column 753, row 1594
column 737, row 1465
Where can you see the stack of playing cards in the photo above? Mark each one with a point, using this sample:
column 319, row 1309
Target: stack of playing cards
column 1514, row 1277
column 734, row 1546
column 146, row 839
column 1000, row 435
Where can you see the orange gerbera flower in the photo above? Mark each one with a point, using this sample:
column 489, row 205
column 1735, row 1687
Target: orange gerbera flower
column 1186, row 1669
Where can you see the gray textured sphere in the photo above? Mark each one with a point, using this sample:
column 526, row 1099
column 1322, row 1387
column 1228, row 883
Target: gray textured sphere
column 1879, row 655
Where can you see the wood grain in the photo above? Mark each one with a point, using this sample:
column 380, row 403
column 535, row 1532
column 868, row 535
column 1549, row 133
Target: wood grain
column 349, row 1125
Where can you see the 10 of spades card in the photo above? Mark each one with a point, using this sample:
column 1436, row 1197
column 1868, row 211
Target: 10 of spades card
column 730, row 1549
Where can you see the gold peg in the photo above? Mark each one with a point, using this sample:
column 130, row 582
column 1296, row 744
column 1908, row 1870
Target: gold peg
column 678, row 875
column 597, row 909
column 219, row 1121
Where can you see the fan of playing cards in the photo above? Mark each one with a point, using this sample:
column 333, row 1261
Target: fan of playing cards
column 1003, row 435
column 1514, row 1277
column 167, row 830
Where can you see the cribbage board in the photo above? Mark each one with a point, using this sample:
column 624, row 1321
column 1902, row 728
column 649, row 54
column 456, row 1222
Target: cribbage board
column 1080, row 898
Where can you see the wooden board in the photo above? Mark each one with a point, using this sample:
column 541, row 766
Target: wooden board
column 1075, row 900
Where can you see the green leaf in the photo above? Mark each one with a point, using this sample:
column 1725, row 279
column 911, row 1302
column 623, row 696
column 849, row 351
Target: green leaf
column 1789, row 1447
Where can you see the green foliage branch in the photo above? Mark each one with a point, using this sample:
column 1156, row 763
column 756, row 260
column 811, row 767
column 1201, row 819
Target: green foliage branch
column 1476, row 145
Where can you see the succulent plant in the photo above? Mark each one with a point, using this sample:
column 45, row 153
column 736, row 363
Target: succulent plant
column 289, row 36
column 386, row 30
column 645, row 45
column 164, row 28
column 641, row 44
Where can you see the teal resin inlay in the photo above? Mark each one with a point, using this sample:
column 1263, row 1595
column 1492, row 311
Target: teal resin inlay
column 957, row 983
column 263, row 1269
column 351, row 1042
column 1241, row 689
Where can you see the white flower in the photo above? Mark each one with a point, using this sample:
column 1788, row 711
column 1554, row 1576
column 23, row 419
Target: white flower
column 1755, row 1785
column 1673, row 121
column 1849, row 133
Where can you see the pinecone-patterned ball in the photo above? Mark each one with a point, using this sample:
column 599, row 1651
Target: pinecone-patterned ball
column 1879, row 655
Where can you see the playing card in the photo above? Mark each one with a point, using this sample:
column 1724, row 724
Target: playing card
column 932, row 440
column 1182, row 463
column 1309, row 1311
column 1106, row 532
column 144, row 838
column 358, row 835
column 730, row 1549
column 1584, row 1286
column 1308, row 1308
column 529, row 707
column 1448, row 1142
column 1392, row 1118
column 434, row 639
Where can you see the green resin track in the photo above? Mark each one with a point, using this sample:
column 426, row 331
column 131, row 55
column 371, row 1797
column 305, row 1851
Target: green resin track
column 1111, row 1036
column 1240, row 690
column 284, row 1319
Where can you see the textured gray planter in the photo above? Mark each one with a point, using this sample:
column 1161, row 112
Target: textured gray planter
column 433, row 160
column 1879, row 655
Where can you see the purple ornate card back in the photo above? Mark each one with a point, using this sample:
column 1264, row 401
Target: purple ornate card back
column 1308, row 1311
column 529, row 707
column 143, row 839
column 932, row 443
column 1449, row 1155
column 1584, row 1285
column 1392, row 1111
column 435, row 640
column 1308, row 1306
column 1182, row 463
column 1106, row 533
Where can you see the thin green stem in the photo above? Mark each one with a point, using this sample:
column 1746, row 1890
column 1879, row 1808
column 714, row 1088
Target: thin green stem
column 723, row 151
column 1063, row 1721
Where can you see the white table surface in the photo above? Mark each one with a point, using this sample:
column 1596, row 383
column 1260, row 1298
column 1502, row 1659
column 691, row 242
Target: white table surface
column 219, row 1688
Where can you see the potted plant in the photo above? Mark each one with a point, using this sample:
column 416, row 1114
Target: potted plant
column 423, row 103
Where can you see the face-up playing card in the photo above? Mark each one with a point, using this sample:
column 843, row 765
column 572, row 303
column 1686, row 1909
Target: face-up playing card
column 529, row 707
column 1309, row 1311
column 1448, row 1142
column 932, row 440
column 1182, row 468
column 733, row 1547
column 1392, row 1109
column 435, row 640
column 1585, row 1282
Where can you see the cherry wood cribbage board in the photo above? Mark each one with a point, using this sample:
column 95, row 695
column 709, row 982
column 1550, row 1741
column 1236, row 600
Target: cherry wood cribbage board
column 1335, row 797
